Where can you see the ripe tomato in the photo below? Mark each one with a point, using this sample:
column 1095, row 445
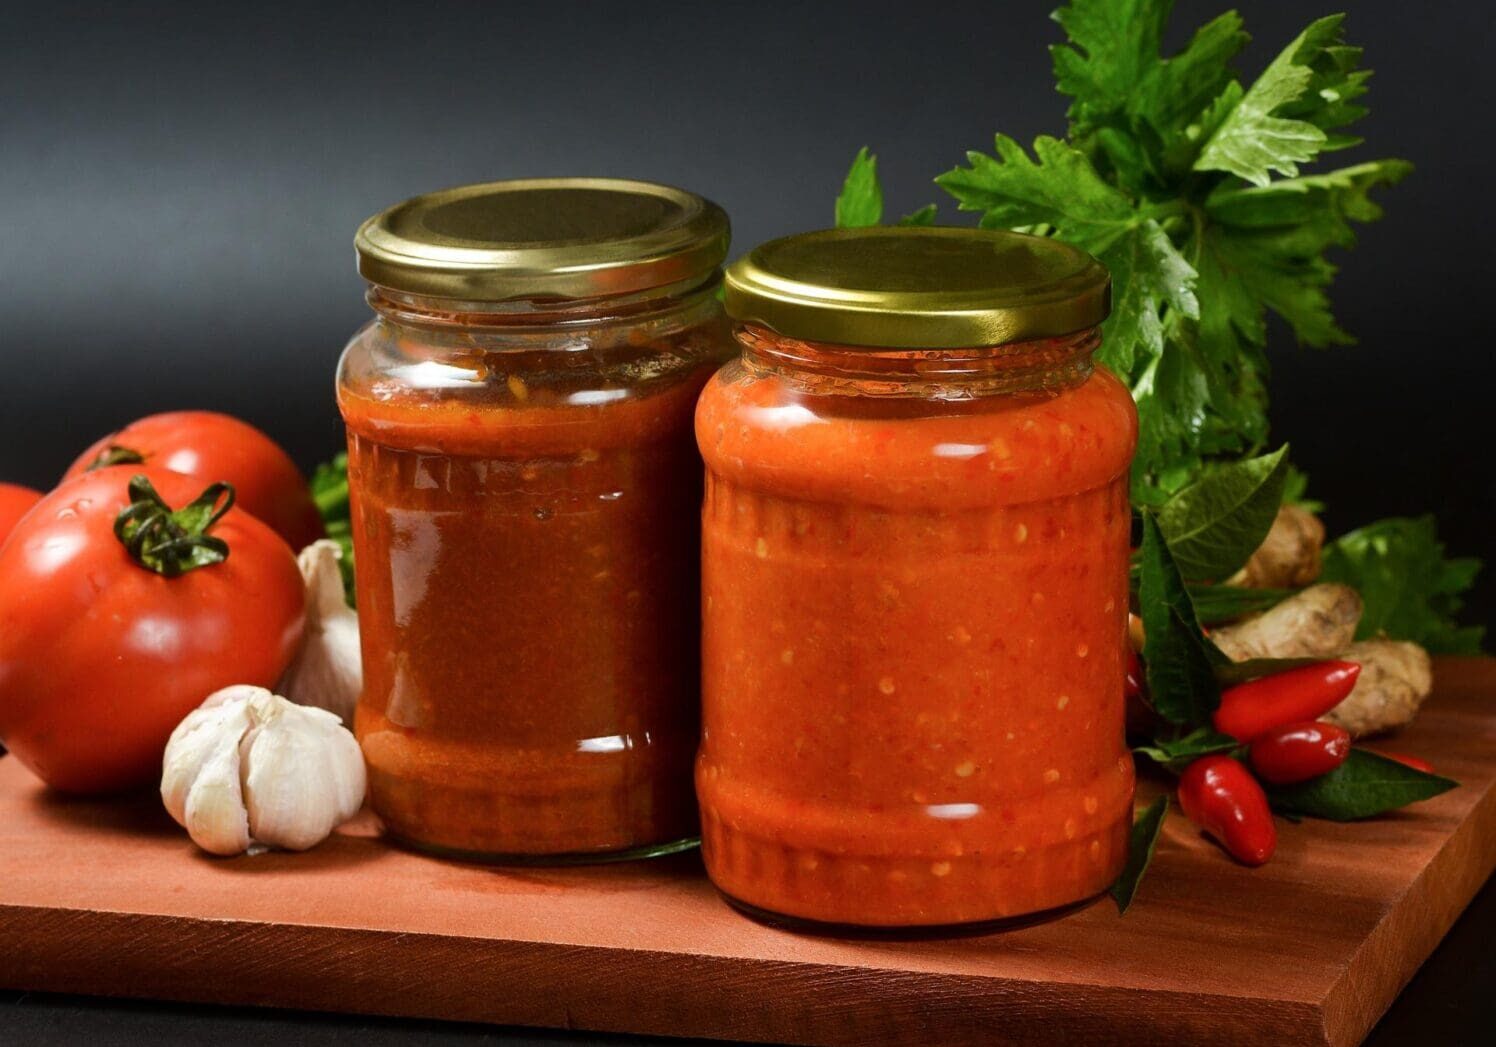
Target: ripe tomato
column 101, row 656
column 217, row 447
column 14, row 502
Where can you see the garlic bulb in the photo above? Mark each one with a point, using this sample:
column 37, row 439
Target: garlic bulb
column 328, row 672
column 249, row 767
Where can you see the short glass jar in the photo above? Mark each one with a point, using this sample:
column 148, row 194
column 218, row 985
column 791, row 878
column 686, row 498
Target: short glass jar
column 525, row 492
column 915, row 582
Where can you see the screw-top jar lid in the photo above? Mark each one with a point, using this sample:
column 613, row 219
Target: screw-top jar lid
column 544, row 238
column 918, row 287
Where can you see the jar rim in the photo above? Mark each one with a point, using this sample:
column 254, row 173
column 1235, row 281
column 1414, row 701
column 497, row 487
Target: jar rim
column 918, row 287
column 543, row 237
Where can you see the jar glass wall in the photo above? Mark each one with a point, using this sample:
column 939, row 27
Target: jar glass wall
column 525, row 488
column 915, row 604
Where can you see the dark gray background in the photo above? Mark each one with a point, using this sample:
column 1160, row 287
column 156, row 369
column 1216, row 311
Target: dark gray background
column 181, row 182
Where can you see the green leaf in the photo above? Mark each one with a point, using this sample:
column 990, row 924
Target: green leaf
column 1060, row 188
column 1178, row 660
column 329, row 488
column 1174, row 97
column 1175, row 754
column 1148, row 273
column 1141, row 843
column 860, row 202
column 924, row 216
column 1251, row 142
column 1215, row 604
column 1232, row 673
column 1266, row 245
column 1409, row 590
column 1114, row 44
column 1216, row 523
column 1365, row 785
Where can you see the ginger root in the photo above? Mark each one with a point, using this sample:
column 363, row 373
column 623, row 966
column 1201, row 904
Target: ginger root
column 1319, row 622
column 1395, row 679
column 1289, row 556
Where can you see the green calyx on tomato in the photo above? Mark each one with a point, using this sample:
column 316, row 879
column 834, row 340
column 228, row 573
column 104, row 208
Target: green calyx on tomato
column 114, row 454
column 173, row 541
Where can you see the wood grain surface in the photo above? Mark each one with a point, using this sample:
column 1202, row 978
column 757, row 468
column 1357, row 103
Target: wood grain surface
column 110, row 898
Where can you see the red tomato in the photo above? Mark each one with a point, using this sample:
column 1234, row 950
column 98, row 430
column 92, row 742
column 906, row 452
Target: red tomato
column 217, row 447
column 14, row 502
column 101, row 657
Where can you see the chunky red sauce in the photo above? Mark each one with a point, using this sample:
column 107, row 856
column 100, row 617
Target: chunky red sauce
column 528, row 598
column 914, row 618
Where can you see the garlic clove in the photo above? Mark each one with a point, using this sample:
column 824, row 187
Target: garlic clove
column 213, row 812
column 199, row 738
column 328, row 670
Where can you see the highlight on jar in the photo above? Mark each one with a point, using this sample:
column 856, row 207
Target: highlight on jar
column 915, row 582
column 525, row 490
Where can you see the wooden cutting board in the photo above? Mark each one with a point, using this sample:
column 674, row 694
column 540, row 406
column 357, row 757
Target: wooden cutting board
column 110, row 898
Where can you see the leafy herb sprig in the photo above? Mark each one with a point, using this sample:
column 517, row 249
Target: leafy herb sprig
column 1185, row 182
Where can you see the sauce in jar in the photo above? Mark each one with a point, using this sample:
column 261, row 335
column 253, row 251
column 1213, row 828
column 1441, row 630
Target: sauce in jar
column 915, row 582
column 525, row 486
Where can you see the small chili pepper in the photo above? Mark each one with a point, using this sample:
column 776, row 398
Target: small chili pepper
column 1306, row 693
column 1220, row 796
column 1408, row 761
column 1297, row 752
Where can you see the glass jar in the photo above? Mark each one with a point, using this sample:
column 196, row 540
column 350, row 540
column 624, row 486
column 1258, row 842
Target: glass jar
column 915, row 559
column 525, row 491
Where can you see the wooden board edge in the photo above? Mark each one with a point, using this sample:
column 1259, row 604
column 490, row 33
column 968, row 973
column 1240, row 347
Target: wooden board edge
column 607, row 990
column 1388, row 958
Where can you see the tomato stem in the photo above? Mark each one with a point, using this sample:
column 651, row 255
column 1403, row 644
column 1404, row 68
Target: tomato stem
column 172, row 542
column 114, row 454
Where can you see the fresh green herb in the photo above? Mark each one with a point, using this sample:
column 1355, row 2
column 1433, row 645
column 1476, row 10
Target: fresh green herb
column 1409, row 590
column 1178, row 659
column 1296, row 491
column 1365, row 785
column 860, row 202
column 329, row 487
column 1175, row 754
column 1216, row 523
column 1141, row 843
column 1229, row 674
column 1215, row 604
column 1167, row 176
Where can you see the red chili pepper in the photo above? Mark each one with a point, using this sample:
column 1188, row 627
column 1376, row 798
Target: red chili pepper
column 1297, row 752
column 1408, row 761
column 1306, row 693
column 1220, row 796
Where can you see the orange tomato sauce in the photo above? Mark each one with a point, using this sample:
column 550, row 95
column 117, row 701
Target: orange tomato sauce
column 914, row 620
column 528, row 599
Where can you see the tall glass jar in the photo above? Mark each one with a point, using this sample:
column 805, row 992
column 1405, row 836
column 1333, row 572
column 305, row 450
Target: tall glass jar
column 915, row 582
column 525, row 489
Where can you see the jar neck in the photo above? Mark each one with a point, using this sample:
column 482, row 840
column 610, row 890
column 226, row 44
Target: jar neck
column 1040, row 365
column 682, row 302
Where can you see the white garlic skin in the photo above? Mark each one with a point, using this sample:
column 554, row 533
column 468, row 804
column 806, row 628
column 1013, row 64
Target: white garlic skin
column 248, row 766
column 328, row 671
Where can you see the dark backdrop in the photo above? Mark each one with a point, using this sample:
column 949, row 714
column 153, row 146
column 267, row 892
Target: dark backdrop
column 181, row 183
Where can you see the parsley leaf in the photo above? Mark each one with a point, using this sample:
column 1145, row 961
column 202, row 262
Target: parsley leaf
column 1408, row 589
column 1250, row 141
column 860, row 202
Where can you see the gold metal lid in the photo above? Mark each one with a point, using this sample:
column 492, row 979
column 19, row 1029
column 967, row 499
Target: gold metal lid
column 918, row 287
column 543, row 238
